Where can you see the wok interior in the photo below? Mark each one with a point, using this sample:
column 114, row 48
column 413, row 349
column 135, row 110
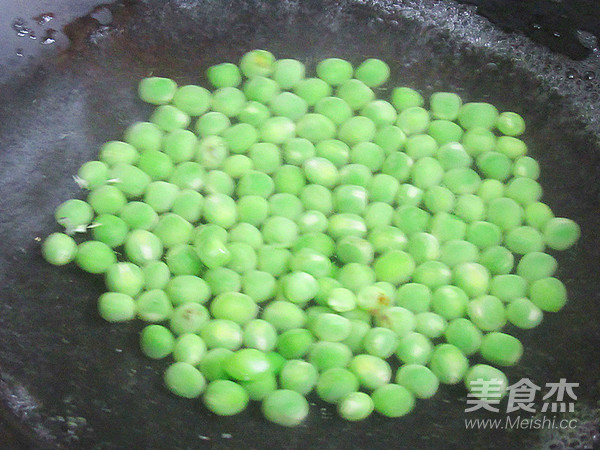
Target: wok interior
column 60, row 363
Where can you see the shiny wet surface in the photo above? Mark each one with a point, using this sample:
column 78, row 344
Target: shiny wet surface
column 75, row 381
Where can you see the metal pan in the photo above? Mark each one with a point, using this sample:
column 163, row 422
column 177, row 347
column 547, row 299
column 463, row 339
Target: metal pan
column 69, row 380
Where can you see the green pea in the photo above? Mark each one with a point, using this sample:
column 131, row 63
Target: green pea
column 487, row 312
column 254, row 113
column 524, row 314
column 510, row 123
column 477, row 141
column 179, row 145
column 331, row 327
column 260, row 334
column 75, row 214
column 326, row 355
column 222, row 279
column 413, row 120
column 225, row 398
column 246, row 364
column 312, row 90
column 212, row 124
column 277, row 130
column 463, row 334
column 224, row 75
column 124, row 277
column 59, row 249
column 495, row 165
column 392, row 400
column 95, row 257
column 218, row 333
column 157, row 165
column 169, row 118
column 390, row 138
column 184, row 380
column 548, row 294
column 355, row 406
column 157, row 90
column 260, row 89
column 445, row 105
column 497, row 259
column 511, row 147
column 371, row 371
column 285, row 407
column 192, row 100
column 288, row 72
column 142, row 136
column 156, row 341
column 153, row 306
column 116, row 307
column 373, row 72
column 240, row 137
column 448, row 363
column 334, row 71
column 536, row 265
column 234, row 306
column 333, row 150
column 538, row 214
column 452, row 156
column 449, row 302
column 334, row 108
column 418, row 379
column 561, row 234
column 526, row 167
column 288, row 104
column 400, row 320
column 187, row 288
column 380, row 342
column 92, row 174
column 420, row 146
column 477, row 114
column 414, row 348
column 355, row 93
column 505, row 213
column 445, row 132
column 380, row 112
column 357, row 129
column 430, row 324
column 335, row 383
column 229, row 101
column 501, row 349
column 284, row 315
column 478, row 375
column 190, row 318
column 294, row 343
column 156, row 275
column 457, row 251
column 405, row 97
column 524, row 190
column 188, row 204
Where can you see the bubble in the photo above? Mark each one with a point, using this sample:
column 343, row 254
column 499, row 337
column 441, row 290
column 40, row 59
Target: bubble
column 589, row 75
column 44, row 18
column 49, row 37
column 571, row 74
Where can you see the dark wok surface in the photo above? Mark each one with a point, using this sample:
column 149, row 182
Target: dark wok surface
column 71, row 380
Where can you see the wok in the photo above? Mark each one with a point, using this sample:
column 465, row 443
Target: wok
column 70, row 380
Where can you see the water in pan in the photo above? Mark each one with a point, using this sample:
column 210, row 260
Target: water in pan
column 87, row 96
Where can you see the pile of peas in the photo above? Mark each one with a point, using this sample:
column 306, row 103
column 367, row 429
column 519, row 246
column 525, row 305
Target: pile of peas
column 285, row 234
